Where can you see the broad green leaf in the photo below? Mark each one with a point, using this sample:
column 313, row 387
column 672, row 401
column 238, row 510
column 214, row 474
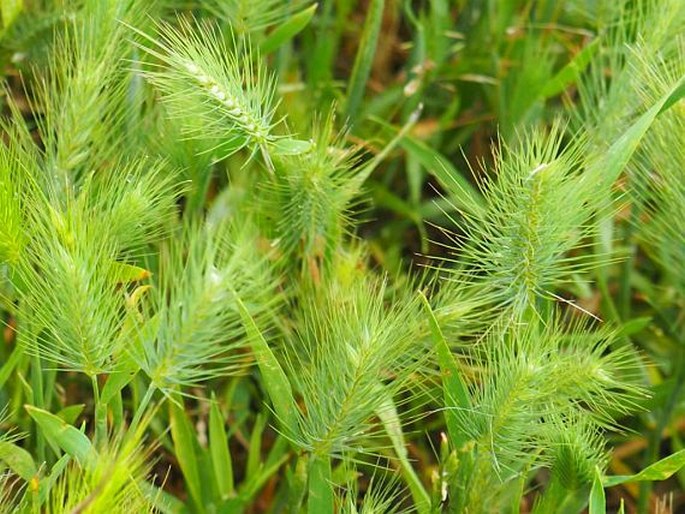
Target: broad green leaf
column 218, row 448
column 455, row 393
column 184, row 448
column 634, row 326
column 275, row 381
column 287, row 30
column 18, row 460
column 677, row 445
column 660, row 470
column 68, row 438
column 597, row 499
column 677, row 94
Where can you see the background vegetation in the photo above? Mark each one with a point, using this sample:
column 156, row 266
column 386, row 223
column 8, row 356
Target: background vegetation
column 360, row 256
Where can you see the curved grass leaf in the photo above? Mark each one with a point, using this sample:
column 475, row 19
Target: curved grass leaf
column 18, row 460
column 218, row 447
column 569, row 74
column 390, row 418
column 660, row 470
column 275, row 381
column 455, row 393
column 287, row 30
column 606, row 169
column 364, row 58
column 320, row 486
column 597, row 498
column 68, row 438
column 184, row 448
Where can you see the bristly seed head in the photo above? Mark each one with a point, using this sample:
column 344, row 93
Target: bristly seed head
column 192, row 68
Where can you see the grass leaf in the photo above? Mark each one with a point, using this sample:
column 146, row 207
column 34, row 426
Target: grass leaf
column 218, row 447
column 18, row 460
column 287, row 30
column 597, row 499
column 184, row 445
column 660, row 470
column 72, row 441
column 364, row 58
column 275, row 381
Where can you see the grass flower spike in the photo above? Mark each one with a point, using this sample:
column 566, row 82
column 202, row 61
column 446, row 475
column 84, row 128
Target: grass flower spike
column 230, row 96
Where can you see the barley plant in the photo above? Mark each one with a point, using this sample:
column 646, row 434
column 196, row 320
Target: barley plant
column 360, row 256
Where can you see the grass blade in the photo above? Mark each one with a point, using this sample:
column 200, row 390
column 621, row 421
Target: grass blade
column 184, row 447
column 454, row 390
column 218, row 447
column 461, row 192
column 255, row 451
column 610, row 164
column 18, row 460
column 597, row 498
column 9, row 365
column 393, row 427
column 660, row 470
column 45, row 485
column 115, row 383
column 569, row 74
column 68, row 438
column 364, row 59
column 275, row 380
column 287, row 30
column 320, row 487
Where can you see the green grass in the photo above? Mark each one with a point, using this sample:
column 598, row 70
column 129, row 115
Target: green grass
column 356, row 256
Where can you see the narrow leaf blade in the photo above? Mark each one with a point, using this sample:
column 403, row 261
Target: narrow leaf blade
column 570, row 73
column 184, row 448
column 455, row 393
column 18, row 460
column 320, row 487
column 68, row 438
column 218, row 447
column 660, row 470
column 364, row 58
column 275, row 381
column 287, row 30
column 597, row 498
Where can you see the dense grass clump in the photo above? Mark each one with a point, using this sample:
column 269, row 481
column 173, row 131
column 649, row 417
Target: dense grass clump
column 348, row 257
